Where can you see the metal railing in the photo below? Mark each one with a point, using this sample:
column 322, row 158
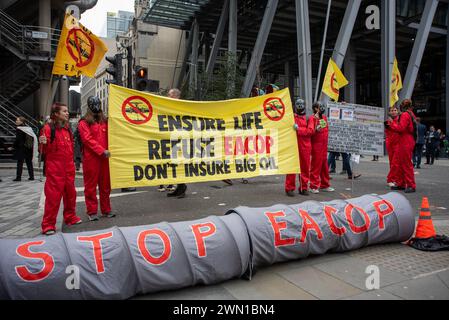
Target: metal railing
column 7, row 121
column 20, row 73
column 28, row 42
column 14, row 112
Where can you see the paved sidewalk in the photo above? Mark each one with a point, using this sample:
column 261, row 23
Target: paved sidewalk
column 20, row 214
column 22, row 206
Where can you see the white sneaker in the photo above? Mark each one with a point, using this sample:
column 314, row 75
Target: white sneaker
column 93, row 217
column 108, row 215
column 314, row 191
column 329, row 189
column 391, row 184
column 50, row 232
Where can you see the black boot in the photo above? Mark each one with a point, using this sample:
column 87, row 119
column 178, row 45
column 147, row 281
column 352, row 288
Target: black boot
column 179, row 191
column 182, row 191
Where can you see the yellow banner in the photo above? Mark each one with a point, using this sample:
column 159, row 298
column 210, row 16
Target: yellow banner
column 156, row 140
column 396, row 83
column 79, row 50
column 334, row 80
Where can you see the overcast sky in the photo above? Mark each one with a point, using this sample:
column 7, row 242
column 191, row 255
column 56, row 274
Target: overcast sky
column 95, row 19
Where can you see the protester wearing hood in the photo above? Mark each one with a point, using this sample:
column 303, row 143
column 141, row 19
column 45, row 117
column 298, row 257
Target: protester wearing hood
column 93, row 131
column 304, row 130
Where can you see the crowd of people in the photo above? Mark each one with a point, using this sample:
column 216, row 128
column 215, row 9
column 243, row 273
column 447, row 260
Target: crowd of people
column 62, row 147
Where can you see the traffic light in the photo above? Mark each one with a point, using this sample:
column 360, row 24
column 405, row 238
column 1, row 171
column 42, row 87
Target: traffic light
column 142, row 83
column 115, row 69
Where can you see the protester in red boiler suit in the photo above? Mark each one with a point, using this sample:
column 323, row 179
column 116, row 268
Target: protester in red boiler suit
column 391, row 142
column 304, row 130
column 93, row 131
column 404, row 151
column 57, row 141
column 319, row 171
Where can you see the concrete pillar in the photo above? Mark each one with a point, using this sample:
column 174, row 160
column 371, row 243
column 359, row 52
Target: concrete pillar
column 44, row 21
column 351, row 75
column 44, row 94
column 64, row 90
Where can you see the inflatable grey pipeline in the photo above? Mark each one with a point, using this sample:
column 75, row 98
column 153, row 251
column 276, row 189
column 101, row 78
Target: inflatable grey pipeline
column 119, row 263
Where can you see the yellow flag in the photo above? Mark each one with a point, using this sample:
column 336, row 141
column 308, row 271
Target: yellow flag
column 333, row 81
column 79, row 50
column 396, row 83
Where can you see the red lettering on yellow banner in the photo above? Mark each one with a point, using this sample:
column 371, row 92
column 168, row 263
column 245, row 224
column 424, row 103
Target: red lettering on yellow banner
column 24, row 273
column 97, row 247
column 389, row 209
column 251, row 145
column 145, row 252
column 308, row 224
column 357, row 229
column 277, row 228
column 329, row 211
column 201, row 235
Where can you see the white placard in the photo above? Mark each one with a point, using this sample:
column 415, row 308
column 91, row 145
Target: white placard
column 359, row 130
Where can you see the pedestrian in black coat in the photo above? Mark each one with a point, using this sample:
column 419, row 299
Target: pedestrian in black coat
column 432, row 140
column 23, row 150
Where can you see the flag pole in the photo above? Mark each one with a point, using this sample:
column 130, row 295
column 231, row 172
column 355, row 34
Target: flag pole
column 322, row 49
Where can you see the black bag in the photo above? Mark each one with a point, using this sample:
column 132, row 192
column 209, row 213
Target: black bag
column 437, row 243
column 29, row 142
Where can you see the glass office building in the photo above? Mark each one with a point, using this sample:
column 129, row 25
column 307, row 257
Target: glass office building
column 118, row 23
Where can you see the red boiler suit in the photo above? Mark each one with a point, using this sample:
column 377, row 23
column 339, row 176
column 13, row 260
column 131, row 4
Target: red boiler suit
column 60, row 181
column 391, row 142
column 319, row 171
column 304, row 132
column 403, row 156
column 95, row 166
